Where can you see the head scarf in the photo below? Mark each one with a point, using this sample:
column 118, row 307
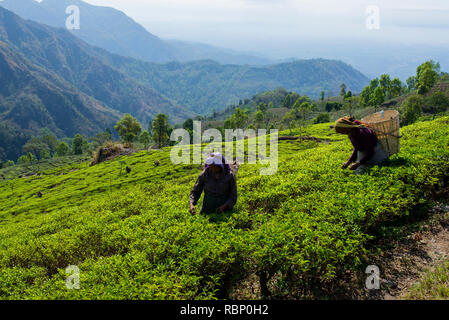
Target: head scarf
column 347, row 122
column 217, row 159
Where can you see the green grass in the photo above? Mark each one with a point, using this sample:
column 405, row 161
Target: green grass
column 132, row 236
column 434, row 285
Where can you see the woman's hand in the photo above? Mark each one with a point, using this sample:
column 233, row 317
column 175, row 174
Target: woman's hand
column 345, row 165
column 192, row 209
column 355, row 166
column 222, row 208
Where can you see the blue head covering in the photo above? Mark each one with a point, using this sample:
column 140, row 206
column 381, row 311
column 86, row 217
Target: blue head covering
column 217, row 159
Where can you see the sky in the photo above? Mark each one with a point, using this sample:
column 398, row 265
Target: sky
column 408, row 32
column 254, row 24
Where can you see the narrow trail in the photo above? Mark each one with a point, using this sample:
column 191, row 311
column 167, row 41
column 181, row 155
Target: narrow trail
column 405, row 264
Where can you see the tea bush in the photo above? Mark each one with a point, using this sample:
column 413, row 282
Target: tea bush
column 132, row 237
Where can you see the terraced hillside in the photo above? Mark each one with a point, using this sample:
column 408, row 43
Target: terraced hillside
column 132, row 237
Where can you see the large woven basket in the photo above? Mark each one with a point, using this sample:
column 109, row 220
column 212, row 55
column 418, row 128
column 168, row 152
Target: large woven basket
column 385, row 125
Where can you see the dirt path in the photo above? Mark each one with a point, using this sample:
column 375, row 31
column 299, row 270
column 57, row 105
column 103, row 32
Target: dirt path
column 403, row 266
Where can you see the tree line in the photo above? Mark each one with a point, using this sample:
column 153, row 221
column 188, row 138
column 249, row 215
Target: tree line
column 46, row 145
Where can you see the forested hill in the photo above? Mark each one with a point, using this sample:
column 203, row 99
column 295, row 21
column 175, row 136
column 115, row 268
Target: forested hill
column 200, row 85
column 114, row 31
column 32, row 98
column 49, row 78
column 206, row 85
column 107, row 85
column 101, row 26
column 57, row 51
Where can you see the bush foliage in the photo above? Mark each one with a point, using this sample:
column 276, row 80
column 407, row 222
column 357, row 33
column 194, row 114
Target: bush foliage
column 132, row 237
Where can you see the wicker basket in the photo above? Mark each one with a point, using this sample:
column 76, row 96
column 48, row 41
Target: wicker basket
column 385, row 125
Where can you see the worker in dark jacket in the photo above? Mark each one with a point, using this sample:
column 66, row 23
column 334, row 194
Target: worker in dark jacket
column 367, row 148
column 219, row 185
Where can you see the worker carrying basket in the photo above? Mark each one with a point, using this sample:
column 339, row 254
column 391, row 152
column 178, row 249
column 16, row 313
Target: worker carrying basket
column 375, row 138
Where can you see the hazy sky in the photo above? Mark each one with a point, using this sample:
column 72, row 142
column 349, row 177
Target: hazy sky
column 277, row 27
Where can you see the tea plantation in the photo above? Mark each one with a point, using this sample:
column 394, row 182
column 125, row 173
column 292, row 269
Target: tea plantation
column 132, row 237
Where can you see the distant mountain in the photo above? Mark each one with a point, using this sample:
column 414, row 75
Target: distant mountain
column 32, row 98
column 50, row 78
column 141, row 88
column 206, row 85
column 103, row 27
column 81, row 65
column 193, row 51
column 117, row 33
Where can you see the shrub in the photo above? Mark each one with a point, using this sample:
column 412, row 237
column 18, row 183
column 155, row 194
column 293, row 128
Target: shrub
column 322, row 118
column 132, row 236
column 411, row 109
column 62, row 149
column 436, row 103
column 8, row 164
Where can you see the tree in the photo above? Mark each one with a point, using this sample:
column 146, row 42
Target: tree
column 396, row 88
column 411, row 83
column 333, row 106
column 365, row 96
column 239, row 118
column 36, row 147
column 101, row 138
column 259, row 119
column 303, row 99
column 45, row 154
column 28, row 158
column 347, row 96
column 322, row 95
column 288, row 118
column 145, row 138
column 385, row 83
column 188, row 125
column 378, row 97
column 444, row 77
column 23, row 160
column 292, row 126
column 351, row 104
column 436, row 103
column 342, row 90
column 411, row 109
column 77, row 144
column 62, row 149
column 290, row 99
column 128, row 128
column 427, row 75
column 51, row 141
column 228, row 124
column 262, row 107
column 8, row 164
column 374, row 84
column 302, row 111
column 322, row 118
column 161, row 130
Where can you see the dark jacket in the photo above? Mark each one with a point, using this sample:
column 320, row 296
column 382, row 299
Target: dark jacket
column 225, row 186
column 364, row 140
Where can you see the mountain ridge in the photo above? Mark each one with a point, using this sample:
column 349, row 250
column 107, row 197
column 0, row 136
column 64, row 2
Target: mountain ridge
column 78, row 63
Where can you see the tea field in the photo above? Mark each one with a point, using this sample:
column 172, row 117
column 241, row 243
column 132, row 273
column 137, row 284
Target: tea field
column 132, row 237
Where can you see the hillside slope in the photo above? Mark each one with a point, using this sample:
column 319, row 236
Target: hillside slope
column 177, row 89
column 76, row 62
column 32, row 98
column 102, row 27
column 114, row 31
column 205, row 85
column 131, row 236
